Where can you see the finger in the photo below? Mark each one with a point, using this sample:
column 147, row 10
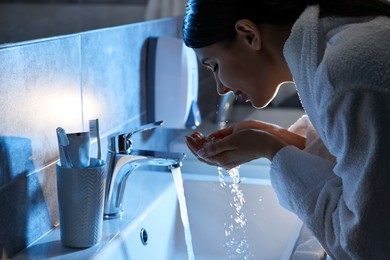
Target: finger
column 199, row 138
column 193, row 148
column 226, row 160
column 197, row 135
column 193, row 144
column 212, row 163
column 221, row 133
column 215, row 148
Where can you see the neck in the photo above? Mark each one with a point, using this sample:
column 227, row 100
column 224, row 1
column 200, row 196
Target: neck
column 273, row 41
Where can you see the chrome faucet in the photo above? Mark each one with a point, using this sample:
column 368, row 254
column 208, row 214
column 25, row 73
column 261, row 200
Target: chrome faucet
column 122, row 161
column 224, row 108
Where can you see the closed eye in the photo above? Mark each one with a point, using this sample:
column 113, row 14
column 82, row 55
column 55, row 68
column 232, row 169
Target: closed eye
column 210, row 67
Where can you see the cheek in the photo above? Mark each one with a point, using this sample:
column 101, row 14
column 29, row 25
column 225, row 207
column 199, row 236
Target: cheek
column 226, row 80
column 233, row 77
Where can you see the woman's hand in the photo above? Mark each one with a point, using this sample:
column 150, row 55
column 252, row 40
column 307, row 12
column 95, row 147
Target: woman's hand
column 195, row 142
column 242, row 142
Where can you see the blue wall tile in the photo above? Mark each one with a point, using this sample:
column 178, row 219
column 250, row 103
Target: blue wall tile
column 65, row 82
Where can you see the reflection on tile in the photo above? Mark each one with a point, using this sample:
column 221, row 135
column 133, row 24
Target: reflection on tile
column 39, row 90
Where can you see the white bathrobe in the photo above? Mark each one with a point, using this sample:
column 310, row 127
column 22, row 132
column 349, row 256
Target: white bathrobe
column 341, row 67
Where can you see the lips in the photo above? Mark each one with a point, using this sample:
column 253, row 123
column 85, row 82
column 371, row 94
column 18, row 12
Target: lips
column 242, row 95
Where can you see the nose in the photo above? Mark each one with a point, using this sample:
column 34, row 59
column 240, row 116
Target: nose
column 221, row 88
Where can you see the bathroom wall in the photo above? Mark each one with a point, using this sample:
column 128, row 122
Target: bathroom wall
column 65, row 81
column 33, row 19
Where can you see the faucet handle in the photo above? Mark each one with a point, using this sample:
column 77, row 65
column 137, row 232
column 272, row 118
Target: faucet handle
column 144, row 128
column 122, row 143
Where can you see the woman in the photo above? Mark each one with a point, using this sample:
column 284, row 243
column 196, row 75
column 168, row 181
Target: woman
column 332, row 167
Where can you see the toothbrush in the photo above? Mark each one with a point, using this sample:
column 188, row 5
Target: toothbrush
column 94, row 132
column 63, row 142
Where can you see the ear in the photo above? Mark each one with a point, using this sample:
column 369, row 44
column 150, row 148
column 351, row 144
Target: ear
column 249, row 33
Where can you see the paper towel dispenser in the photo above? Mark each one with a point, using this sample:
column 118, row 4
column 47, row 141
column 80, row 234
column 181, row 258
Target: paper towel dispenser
column 172, row 83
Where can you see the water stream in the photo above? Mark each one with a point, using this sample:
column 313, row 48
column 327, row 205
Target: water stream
column 178, row 180
column 237, row 246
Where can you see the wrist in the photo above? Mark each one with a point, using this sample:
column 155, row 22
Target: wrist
column 275, row 149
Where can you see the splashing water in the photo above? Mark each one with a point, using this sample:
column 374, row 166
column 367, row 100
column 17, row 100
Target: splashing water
column 178, row 180
column 236, row 245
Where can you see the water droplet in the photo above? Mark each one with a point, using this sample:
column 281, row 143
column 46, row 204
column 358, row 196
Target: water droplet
column 237, row 248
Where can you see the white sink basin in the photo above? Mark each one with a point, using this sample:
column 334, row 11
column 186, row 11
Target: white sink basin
column 151, row 204
column 271, row 231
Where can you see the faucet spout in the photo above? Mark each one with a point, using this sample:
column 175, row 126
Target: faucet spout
column 121, row 165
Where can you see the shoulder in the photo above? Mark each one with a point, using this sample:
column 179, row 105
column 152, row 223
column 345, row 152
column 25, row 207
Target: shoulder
column 359, row 55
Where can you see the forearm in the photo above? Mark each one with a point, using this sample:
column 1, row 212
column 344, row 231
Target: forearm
column 287, row 136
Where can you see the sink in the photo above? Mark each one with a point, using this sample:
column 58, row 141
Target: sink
column 271, row 231
column 152, row 229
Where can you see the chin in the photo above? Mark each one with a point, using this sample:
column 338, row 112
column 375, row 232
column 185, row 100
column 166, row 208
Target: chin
column 260, row 105
column 263, row 101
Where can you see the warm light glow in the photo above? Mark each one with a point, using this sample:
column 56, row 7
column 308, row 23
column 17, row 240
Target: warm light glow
column 91, row 109
column 62, row 106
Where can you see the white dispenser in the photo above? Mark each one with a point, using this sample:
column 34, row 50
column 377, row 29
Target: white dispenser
column 172, row 83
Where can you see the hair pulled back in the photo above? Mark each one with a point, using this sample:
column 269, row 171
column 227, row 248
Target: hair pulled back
column 210, row 21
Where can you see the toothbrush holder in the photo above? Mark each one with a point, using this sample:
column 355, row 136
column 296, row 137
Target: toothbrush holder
column 81, row 194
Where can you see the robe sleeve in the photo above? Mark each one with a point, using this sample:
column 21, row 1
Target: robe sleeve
column 346, row 204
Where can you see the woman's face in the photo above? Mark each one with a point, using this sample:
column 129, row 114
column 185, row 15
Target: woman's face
column 255, row 75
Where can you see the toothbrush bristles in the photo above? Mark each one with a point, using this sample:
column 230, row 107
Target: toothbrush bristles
column 94, row 132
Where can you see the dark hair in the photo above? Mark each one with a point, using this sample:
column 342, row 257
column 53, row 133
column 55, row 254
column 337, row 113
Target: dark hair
column 210, row 21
